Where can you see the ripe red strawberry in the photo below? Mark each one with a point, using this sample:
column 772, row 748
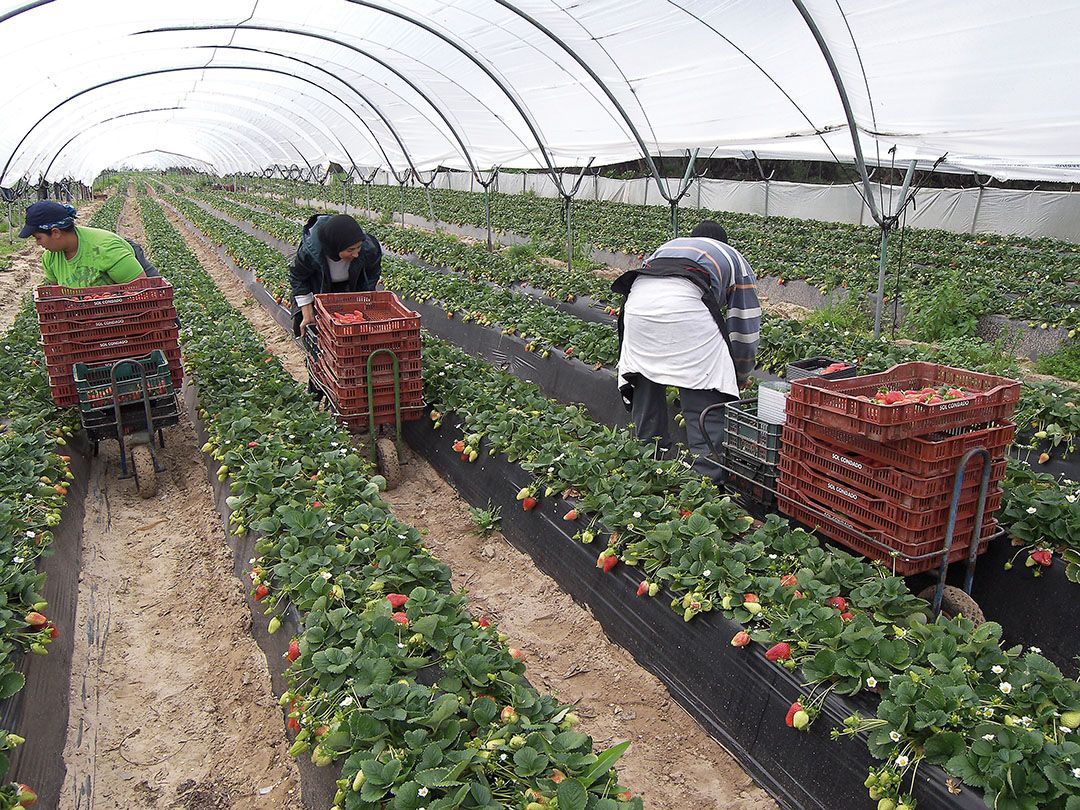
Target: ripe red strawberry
column 607, row 561
column 750, row 597
column 516, row 654
column 643, row 587
column 838, row 602
column 321, row 730
column 847, row 616
column 293, row 724
column 253, row 444
column 483, row 622
column 400, row 618
column 25, row 796
column 459, row 446
column 685, row 513
column 740, row 639
column 35, row 620
column 557, row 776
column 1043, row 556
column 789, row 719
column 316, row 504
column 508, row 714
column 779, row 652
column 464, row 456
column 53, row 632
column 625, row 796
column 294, row 650
column 528, row 503
column 396, row 600
column 788, row 580
column 571, row 515
column 261, row 593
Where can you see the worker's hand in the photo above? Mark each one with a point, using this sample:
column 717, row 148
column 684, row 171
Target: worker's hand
column 306, row 320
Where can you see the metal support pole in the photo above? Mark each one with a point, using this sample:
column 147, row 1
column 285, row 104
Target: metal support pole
column 487, row 214
column 887, row 224
column 569, row 234
column 401, row 186
column 431, row 206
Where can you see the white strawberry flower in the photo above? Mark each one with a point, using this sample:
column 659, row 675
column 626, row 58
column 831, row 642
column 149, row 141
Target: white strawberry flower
column 1005, row 687
column 997, row 669
column 326, row 575
column 347, row 701
column 706, row 573
column 1035, row 650
column 871, row 682
column 988, row 712
column 30, row 534
column 637, row 514
column 1025, row 721
column 772, row 557
column 902, row 761
column 894, row 736
column 989, row 737
column 422, row 792
column 1076, row 773
column 1031, row 510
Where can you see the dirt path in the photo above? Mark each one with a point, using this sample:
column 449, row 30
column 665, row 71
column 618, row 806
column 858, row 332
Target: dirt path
column 171, row 699
column 673, row 763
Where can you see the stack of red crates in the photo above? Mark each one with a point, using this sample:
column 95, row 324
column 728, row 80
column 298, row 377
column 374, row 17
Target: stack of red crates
column 352, row 326
column 888, row 471
column 97, row 325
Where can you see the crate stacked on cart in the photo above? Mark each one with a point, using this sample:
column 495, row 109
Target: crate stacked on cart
column 357, row 332
column 96, row 325
column 858, row 462
column 751, row 450
column 107, row 394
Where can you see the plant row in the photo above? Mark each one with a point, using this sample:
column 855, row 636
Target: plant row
column 425, row 704
column 1032, row 279
column 779, row 582
column 34, row 481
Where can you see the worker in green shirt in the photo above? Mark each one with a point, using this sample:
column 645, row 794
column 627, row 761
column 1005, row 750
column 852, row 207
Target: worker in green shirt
column 75, row 256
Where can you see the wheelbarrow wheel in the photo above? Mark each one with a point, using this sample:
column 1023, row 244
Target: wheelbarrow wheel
column 142, row 462
column 389, row 463
column 954, row 602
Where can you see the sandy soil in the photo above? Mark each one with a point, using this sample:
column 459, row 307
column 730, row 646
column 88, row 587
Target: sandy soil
column 673, row 763
column 171, row 705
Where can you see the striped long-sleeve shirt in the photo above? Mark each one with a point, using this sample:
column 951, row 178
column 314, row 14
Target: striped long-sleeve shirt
column 724, row 272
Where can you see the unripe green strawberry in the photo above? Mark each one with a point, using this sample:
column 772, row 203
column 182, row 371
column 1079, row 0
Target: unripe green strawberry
column 320, row 758
column 273, row 626
column 753, row 607
column 299, row 747
column 1070, row 719
column 801, row 720
column 886, row 804
column 517, row 741
column 358, row 781
column 654, row 589
column 14, row 740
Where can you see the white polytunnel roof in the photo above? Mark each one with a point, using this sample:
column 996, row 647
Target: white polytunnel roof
column 243, row 85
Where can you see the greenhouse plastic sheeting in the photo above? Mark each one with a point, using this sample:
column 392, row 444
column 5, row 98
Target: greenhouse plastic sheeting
column 472, row 84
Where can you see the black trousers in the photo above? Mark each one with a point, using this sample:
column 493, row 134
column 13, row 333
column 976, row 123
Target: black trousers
column 649, row 410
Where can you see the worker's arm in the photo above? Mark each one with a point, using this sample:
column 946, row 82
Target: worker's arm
column 743, row 321
column 300, row 281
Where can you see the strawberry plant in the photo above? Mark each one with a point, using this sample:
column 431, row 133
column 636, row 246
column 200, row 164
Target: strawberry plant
column 1043, row 518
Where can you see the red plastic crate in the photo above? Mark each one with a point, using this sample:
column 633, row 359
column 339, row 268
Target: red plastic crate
column 352, row 399
column 83, row 327
column 930, row 455
column 384, row 415
column 108, row 347
column 385, row 315
column 792, row 503
column 903, row 525
column 363, row 345
column 59, row 334
column 140, row 295
column 875, row 509
column 353, row 370
column 917, row 493
column 841, row 403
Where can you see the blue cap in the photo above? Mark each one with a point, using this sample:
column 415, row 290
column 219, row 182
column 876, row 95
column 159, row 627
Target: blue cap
column 46, row 215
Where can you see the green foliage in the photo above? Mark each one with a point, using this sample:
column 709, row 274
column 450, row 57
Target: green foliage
column 947, row 309
column 1064, row 363
column 487, row 521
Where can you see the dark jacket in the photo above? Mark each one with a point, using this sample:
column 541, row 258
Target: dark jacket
column 309, row 272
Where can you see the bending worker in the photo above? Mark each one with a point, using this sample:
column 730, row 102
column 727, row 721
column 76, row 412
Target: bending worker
column 334, row 255
column 76, row 256
column 690, row 320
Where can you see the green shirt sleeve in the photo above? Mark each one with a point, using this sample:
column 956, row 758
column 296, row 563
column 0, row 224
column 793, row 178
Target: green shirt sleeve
column 119, row 263
column 50, row 276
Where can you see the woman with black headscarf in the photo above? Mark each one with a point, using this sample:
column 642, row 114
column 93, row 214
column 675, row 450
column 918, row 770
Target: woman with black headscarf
column 335, row 255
